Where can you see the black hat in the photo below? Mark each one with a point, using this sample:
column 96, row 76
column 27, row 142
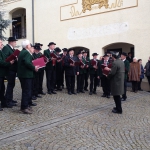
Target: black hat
column 108, row 52
column 124, row 54
column 37, row 47
column 11, row 39
column 115, row 54
column 105, row 55
column 39, row 44
column 79, row 53
column 31, row 45
column 65, row 49
column 70, row 49
column 57, row 49
column 84, row 51
column 95, row 54
column 51, row 43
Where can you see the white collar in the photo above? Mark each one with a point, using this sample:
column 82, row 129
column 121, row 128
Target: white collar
column 124, row 60
column 29, row 52
column 10, row 46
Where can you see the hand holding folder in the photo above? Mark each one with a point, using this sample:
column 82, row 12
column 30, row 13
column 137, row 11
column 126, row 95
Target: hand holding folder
column 13, row 56
column 39, row 62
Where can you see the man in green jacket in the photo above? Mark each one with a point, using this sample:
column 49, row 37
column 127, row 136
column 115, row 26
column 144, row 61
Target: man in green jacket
column 26, row 74
column 3, row 72
column 50, row 68
column 11, row 76
column 94, row 73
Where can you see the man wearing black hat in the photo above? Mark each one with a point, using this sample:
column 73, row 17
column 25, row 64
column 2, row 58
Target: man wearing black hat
column 94, row 73
column 86, row 61
column 116, row 76
column 58, row 69
column 127, row 66
column 50, row 68
column 70, row 71
column 63, row 56
column 80, row 76
column 3, row 72
column 105, row 83
column 36, row 79
column 11, row 77
column 41, row 73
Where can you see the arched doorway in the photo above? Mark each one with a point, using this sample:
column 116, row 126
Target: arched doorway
column 78, row 48
column 119, row 47
column 18, row 29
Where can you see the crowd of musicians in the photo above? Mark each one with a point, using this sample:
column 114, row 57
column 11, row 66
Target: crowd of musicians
column 65, row 70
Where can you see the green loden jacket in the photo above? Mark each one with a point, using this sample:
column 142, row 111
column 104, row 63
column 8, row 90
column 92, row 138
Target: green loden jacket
column 3, row 65
column 7, row 50
column 25, row 66
column 93, row 70
column 49, row 65
column 87, row 61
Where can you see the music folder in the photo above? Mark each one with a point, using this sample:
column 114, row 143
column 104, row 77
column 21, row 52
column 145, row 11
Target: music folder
column 39, row 62
column 13, row 56
column 76, row 63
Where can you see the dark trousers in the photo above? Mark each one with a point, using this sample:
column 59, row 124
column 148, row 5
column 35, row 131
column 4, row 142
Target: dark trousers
column 124, row 96
column 50, row 79
column 105, row 83
column 41, row 77
column 80, row 82
column 134, row 86
column 70, row 81
column 62, row 76
column 2, row 92
column 93, row 82
column 148, row 78
column 118, row 103
column 10, row 86
column 139, row 84
column 86, row 76
column 35, row 85
column 26, row 85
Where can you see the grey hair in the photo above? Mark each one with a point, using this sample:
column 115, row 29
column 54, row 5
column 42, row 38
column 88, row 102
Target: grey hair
column 25, row 43
column 135, row 58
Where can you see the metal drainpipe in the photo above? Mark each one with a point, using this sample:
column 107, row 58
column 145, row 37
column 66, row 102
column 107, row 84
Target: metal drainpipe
column 33, row 21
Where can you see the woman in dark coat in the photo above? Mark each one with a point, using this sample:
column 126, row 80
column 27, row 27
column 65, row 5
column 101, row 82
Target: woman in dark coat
column 147, row 71
column 134, row 74
column 141, row 76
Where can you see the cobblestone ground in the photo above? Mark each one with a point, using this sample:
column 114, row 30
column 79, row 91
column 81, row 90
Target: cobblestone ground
column 77, row 122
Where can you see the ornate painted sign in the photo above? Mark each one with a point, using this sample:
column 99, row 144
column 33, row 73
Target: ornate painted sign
column 85, row 8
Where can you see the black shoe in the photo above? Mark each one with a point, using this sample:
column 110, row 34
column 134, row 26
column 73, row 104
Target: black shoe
column 108, row 96
column 90, row 93
column 49, row 92
column 38, row 96
column 78, row 91
column 86, row 90
column 13, row 101
column 1, row 109
column 33, row 104
column 74, row 93
column 140, row 90
column 123, row 99
column 82, row 91
column 59, row 89
column 34, row 97
column 42, row 93
column 116, row 111
column 103, row 95
column 69, row 93
column 13, row 104
column 94, row 92
column 7, row 106
column 53, row 92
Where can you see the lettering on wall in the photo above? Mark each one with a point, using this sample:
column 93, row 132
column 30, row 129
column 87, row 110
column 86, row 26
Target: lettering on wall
column 85, row 8
column 97, row 31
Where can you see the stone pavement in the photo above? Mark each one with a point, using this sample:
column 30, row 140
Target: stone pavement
column 77, row 122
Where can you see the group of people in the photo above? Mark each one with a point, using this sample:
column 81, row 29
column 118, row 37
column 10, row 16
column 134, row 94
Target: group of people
column 65, row 65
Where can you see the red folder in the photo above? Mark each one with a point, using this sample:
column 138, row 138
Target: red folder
column 39, row 62
column 76, row 63
column 53, row 55
column 13, row 56
column 105, row 72
column 94, row 63
column 45, row 58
